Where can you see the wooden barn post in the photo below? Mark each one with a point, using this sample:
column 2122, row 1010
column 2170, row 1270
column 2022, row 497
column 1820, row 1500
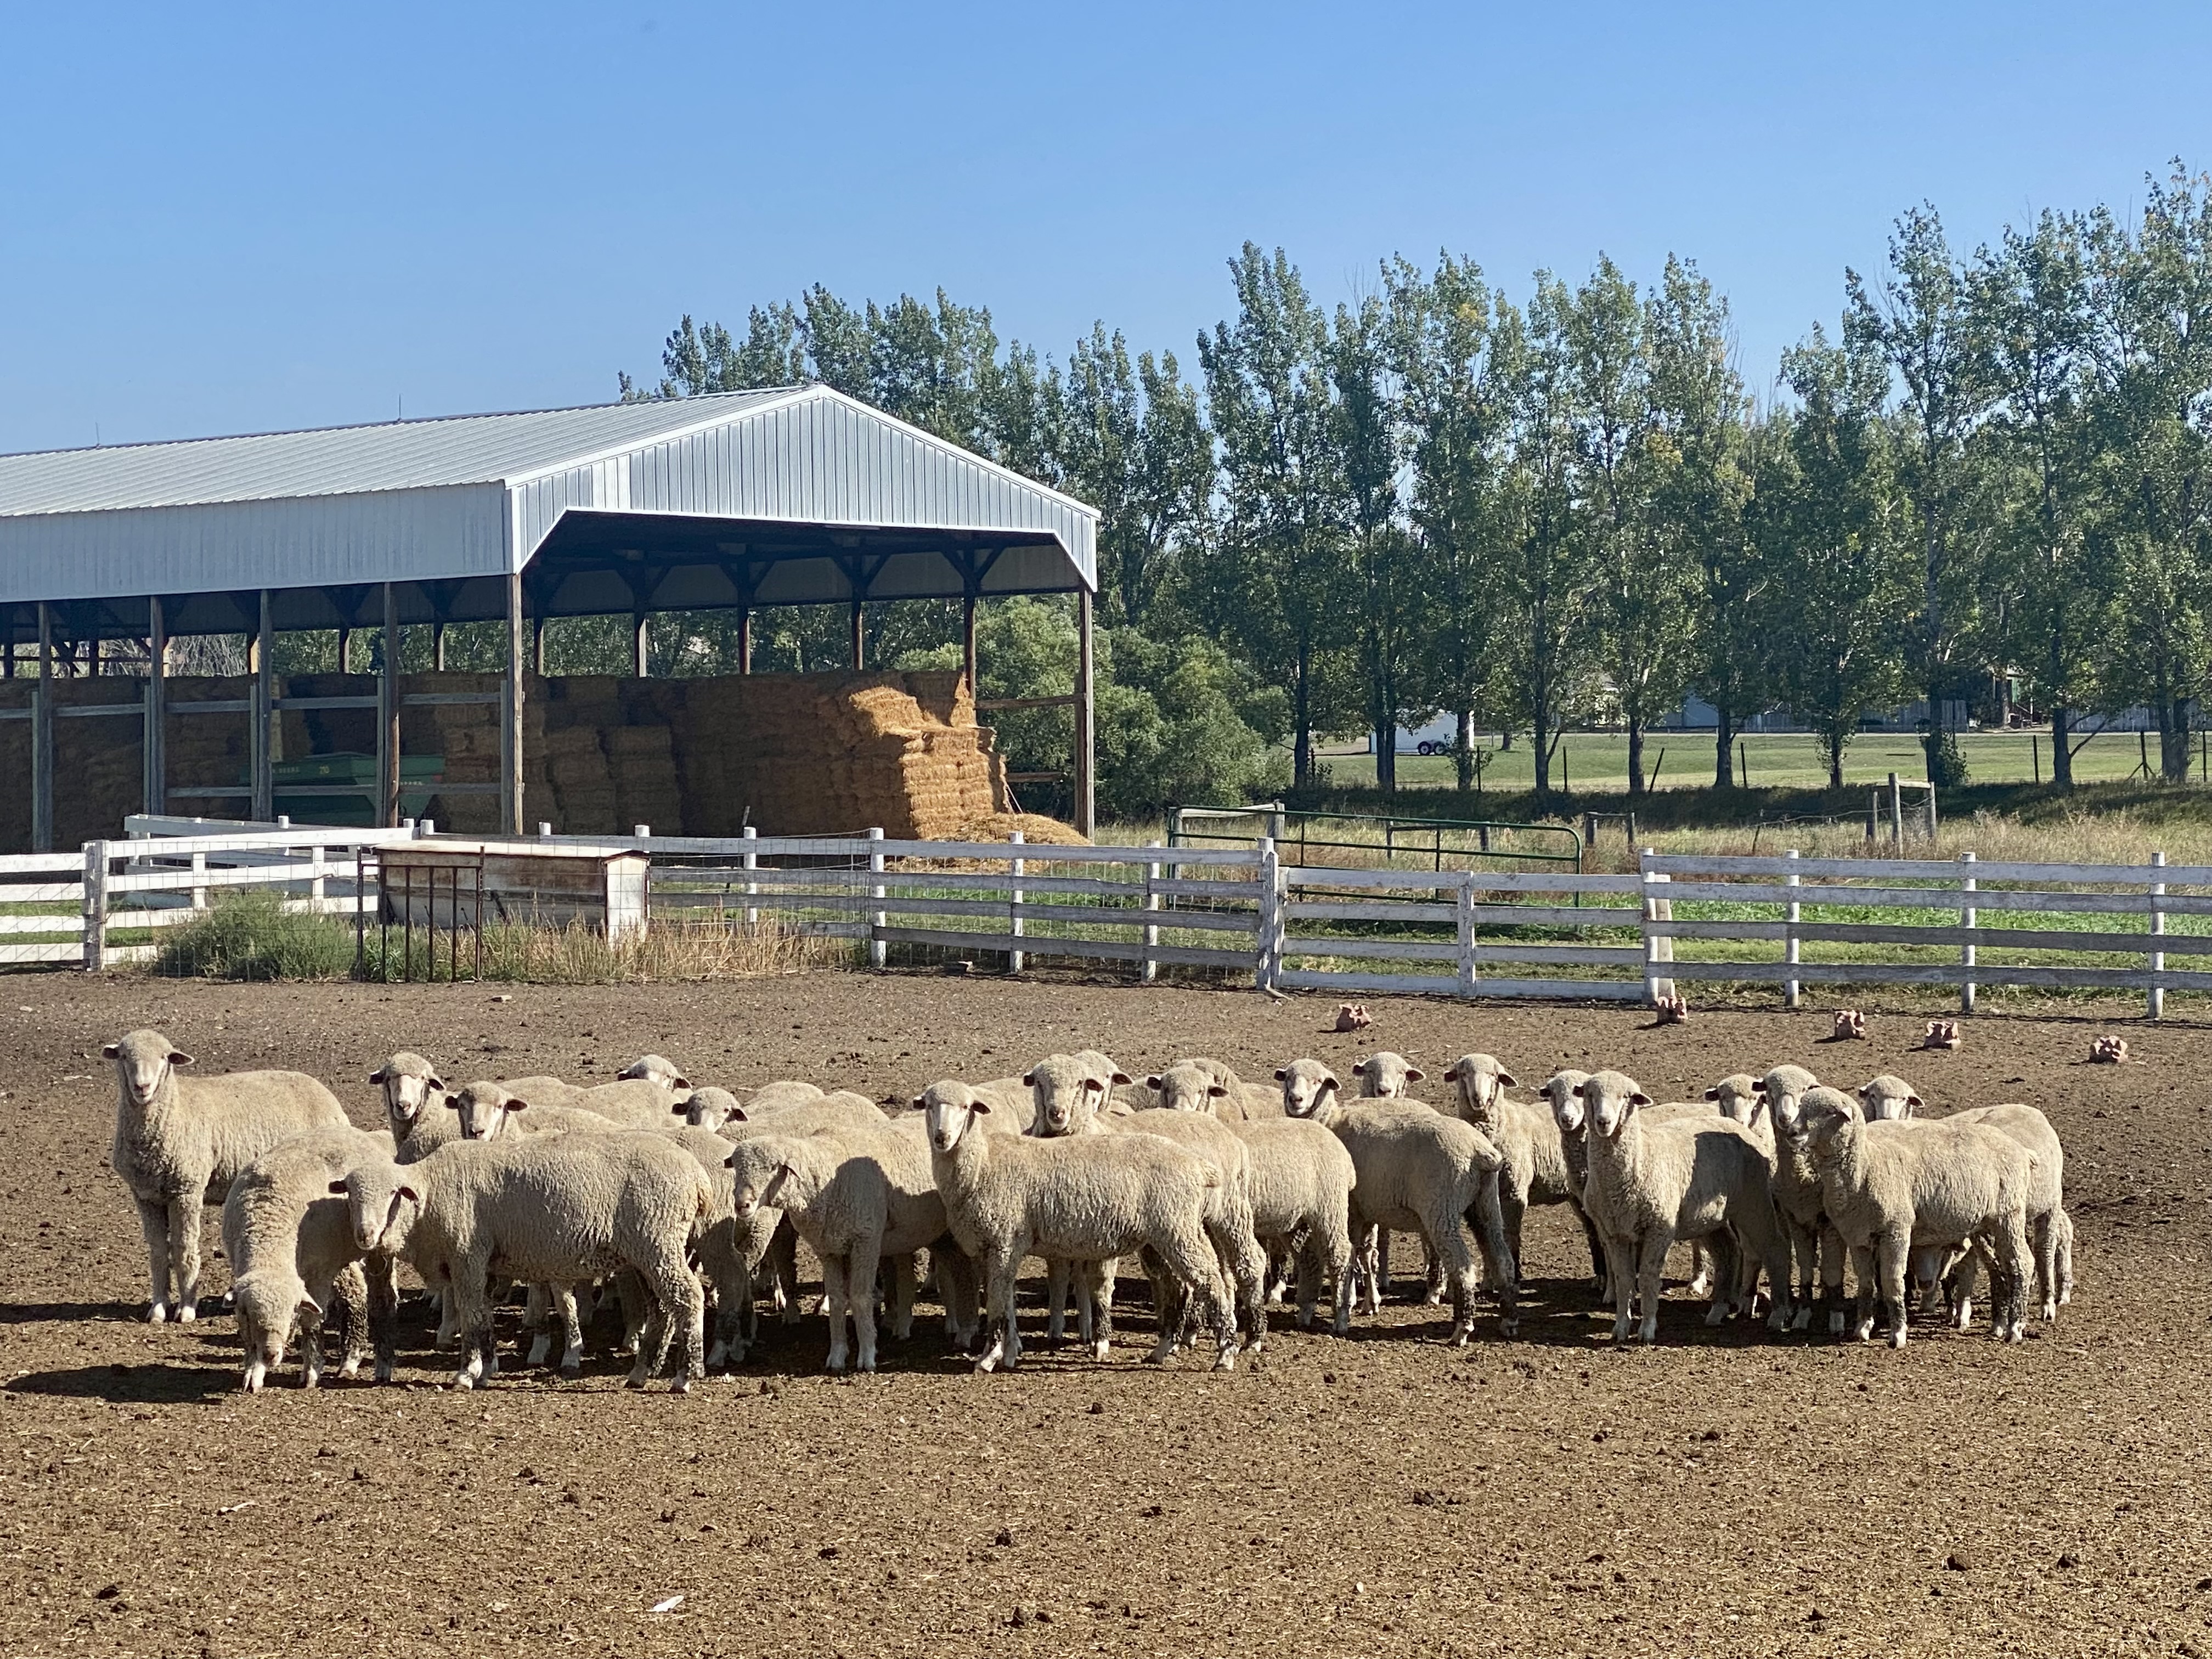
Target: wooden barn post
column 42, row 738
column 259, row 744
column 510, row 747
column 154, row 792
column 387, row 716
column 1086, row 814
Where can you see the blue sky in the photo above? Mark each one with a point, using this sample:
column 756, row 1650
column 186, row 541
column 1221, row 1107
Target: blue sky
column 224, row 218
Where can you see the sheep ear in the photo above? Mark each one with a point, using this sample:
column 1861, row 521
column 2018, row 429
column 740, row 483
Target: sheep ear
column 1451, row 1073
column 1506, row 1079
column 1914, row 1101
column 338, row 1189
column 1029, row 1078
column 1414, row 1074
column 453, row 1101
column 176, row 1058
column 919, row 1104
column 679, row 1109
column 1152, row 1082
column 108, row 1051
column 376, row 1076
column 982, row 1106
column 738, row 1112
column 1216, row 1090
column 1120, row 1077
column 1639, row 1098
column 407, row 1192
column 1359, row 1068
column 514, row 1104
column 1282, row 1074
column 1327, row 1083
column 731, row 1161
column 309, row 1306
column 681, row 1082
column 1713, row 1094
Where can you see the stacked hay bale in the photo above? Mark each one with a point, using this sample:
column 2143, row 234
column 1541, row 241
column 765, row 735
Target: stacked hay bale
column 99, row 777
column 207, row 750
column 16, row 765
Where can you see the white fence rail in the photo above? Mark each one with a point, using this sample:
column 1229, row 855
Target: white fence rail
column 1787, row 921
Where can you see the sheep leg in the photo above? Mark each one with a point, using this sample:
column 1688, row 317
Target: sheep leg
column 1831, row 1258
column 1099, row 1276
column 1432, row 1276
column 1701, row 1269
column 1055, row 1298
column 1598, row 1285
column 308, row 1325
column 1724, row 1263
column 1486, row 1217
column 349, row 1292
column 1620, row 1272
column 2013, row 1260
column 154, row 1221
column 1891, row 1251
column 536, row 1315
column 383, row 1274
column 2046, row 1262
column 1650, row 1270
column 1001, row 1271
column 783, row 1251
column 185, row 1253
column 2062, row 1252
column 1456, row 1245
column 469, row 1296
column 897, row 1271
column 676, row 1291
column 572, row 1331
column 1334, row 1251
column 1513, row 1209
column 860, row 1271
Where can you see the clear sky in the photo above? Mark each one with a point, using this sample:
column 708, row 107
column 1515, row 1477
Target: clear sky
column 222, row 218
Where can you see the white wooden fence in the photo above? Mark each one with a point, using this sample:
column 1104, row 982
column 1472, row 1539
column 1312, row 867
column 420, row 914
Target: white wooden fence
column 1462, row 933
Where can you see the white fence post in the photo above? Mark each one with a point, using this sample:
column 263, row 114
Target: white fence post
column 1969, row 918
column 752, row 888
column 95, row 906
column 2154, row 998
column 1658, row 947
column 1014, row 958
column 199, row 893
column 1463, row 915
column 315, row 876
column 877, row 951
column 1268, row 955
column 1792, row 947
column 1151, row 966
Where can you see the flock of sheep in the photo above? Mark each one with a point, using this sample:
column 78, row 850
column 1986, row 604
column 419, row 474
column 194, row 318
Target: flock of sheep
column 680, row 1202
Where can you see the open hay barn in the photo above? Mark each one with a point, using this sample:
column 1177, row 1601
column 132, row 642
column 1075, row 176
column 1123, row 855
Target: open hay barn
column 793, row 495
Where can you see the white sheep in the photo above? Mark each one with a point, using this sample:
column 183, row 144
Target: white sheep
column 1419, row 1171
column 768, row 1243
column 412, row 1091
column 642, row 1102
column 1563, row 1090
column 548, row 1209
column 1815, row 1249
column 1530, row 1139
column 1230, row 1220
column 861, row 1198
column 487, row 1110
column 1894, row 1188
column 1207, row 1086
column 1385, row 1075
column 1737, row 1098
column 180, row 1142
column 1888, row 1099
column 2049, row 1228
column 654, row 1069
column 1082, row 1197
column 1301, row 1185
column 290, row 1246
column 1652, row 1184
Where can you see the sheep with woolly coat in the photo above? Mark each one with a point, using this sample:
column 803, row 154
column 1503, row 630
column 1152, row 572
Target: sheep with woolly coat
column 1816, row 1251
column 290, row 1248
column 1210, row 1086
column 180, row 1142
column 1529, row 1139
column 546, row 1209
column 1421, row 1172
column 1894, row 1188
column 1690, row 1178
column 1088, row 1198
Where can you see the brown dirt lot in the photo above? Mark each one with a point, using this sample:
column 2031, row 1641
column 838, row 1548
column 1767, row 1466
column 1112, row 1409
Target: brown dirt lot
column 1726, row 1493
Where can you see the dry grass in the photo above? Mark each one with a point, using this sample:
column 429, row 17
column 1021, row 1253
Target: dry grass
column 577, row 954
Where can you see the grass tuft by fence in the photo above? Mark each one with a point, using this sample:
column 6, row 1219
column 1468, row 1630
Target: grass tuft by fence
column 250, row 934
column 578, row 954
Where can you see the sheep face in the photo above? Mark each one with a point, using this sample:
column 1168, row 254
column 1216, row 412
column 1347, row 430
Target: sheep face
column 1071, row 1089
column 409, row 1082
column 652, row 1068
column 1387, row 1076
column 948, row 1109
column 267, row 1304
column 143, row 1063
column 1482, row 1085
column 1611, row 1098
column 1738, row 1099
column 1309, row 1088
column 709, row 1108
column 1887, row 1099
column 767, row 1173
column 484, row 1109
column 1187, row 1086
column 1785, row 1088
column 381, row 1206
column 1823, row 1114
column 1565, row 1091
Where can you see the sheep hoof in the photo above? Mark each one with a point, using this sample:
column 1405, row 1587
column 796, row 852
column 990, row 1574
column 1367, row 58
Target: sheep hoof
column 186, row 1314
column 681, row 1385
column 1718, row 1313
column 352, row 1368
column 158, row 1314
column 1802, row 1319
column 570, row 1373
column 1897, row 1338
column 2049, row 1311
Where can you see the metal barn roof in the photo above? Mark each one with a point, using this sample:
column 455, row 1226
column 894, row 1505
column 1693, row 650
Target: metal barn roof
column 784, row 496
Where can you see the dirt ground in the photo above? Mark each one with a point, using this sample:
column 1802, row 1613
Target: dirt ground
column 1723, row 1493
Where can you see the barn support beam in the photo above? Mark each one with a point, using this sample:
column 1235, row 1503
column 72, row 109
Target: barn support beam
column 967, row 639
column 860, row 618
column 1086, row 805
column 438, row 647
column 744, row 639
column 537, row 646
column 388, row 714
column 42, row 738
column 261, row 747
column 153, row 750
column 510, row 745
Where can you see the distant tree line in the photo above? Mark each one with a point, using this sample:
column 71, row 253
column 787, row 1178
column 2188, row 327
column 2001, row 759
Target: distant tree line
column 1993, row 472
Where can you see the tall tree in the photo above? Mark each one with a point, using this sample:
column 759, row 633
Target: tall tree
column 1455, row 413
column 1370, row 450
column 1278, row 584
column 1923, row 322
column 1840, row 579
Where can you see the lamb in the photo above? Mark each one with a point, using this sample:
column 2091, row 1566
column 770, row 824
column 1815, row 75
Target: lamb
column 1650, row 1185
column 1080, row 1198
column 1888, row 1099
column 860, row 1198
column 709, row 1107
column 180, row 1142
column 550, row 1209
column 1301, row 1183
column 1816, row 1252
column 1536, row 1170
column 290, row 1246
column 411, row 1087
column 1418, row 1171
column 1891, row 1188
column 1207, row 1086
